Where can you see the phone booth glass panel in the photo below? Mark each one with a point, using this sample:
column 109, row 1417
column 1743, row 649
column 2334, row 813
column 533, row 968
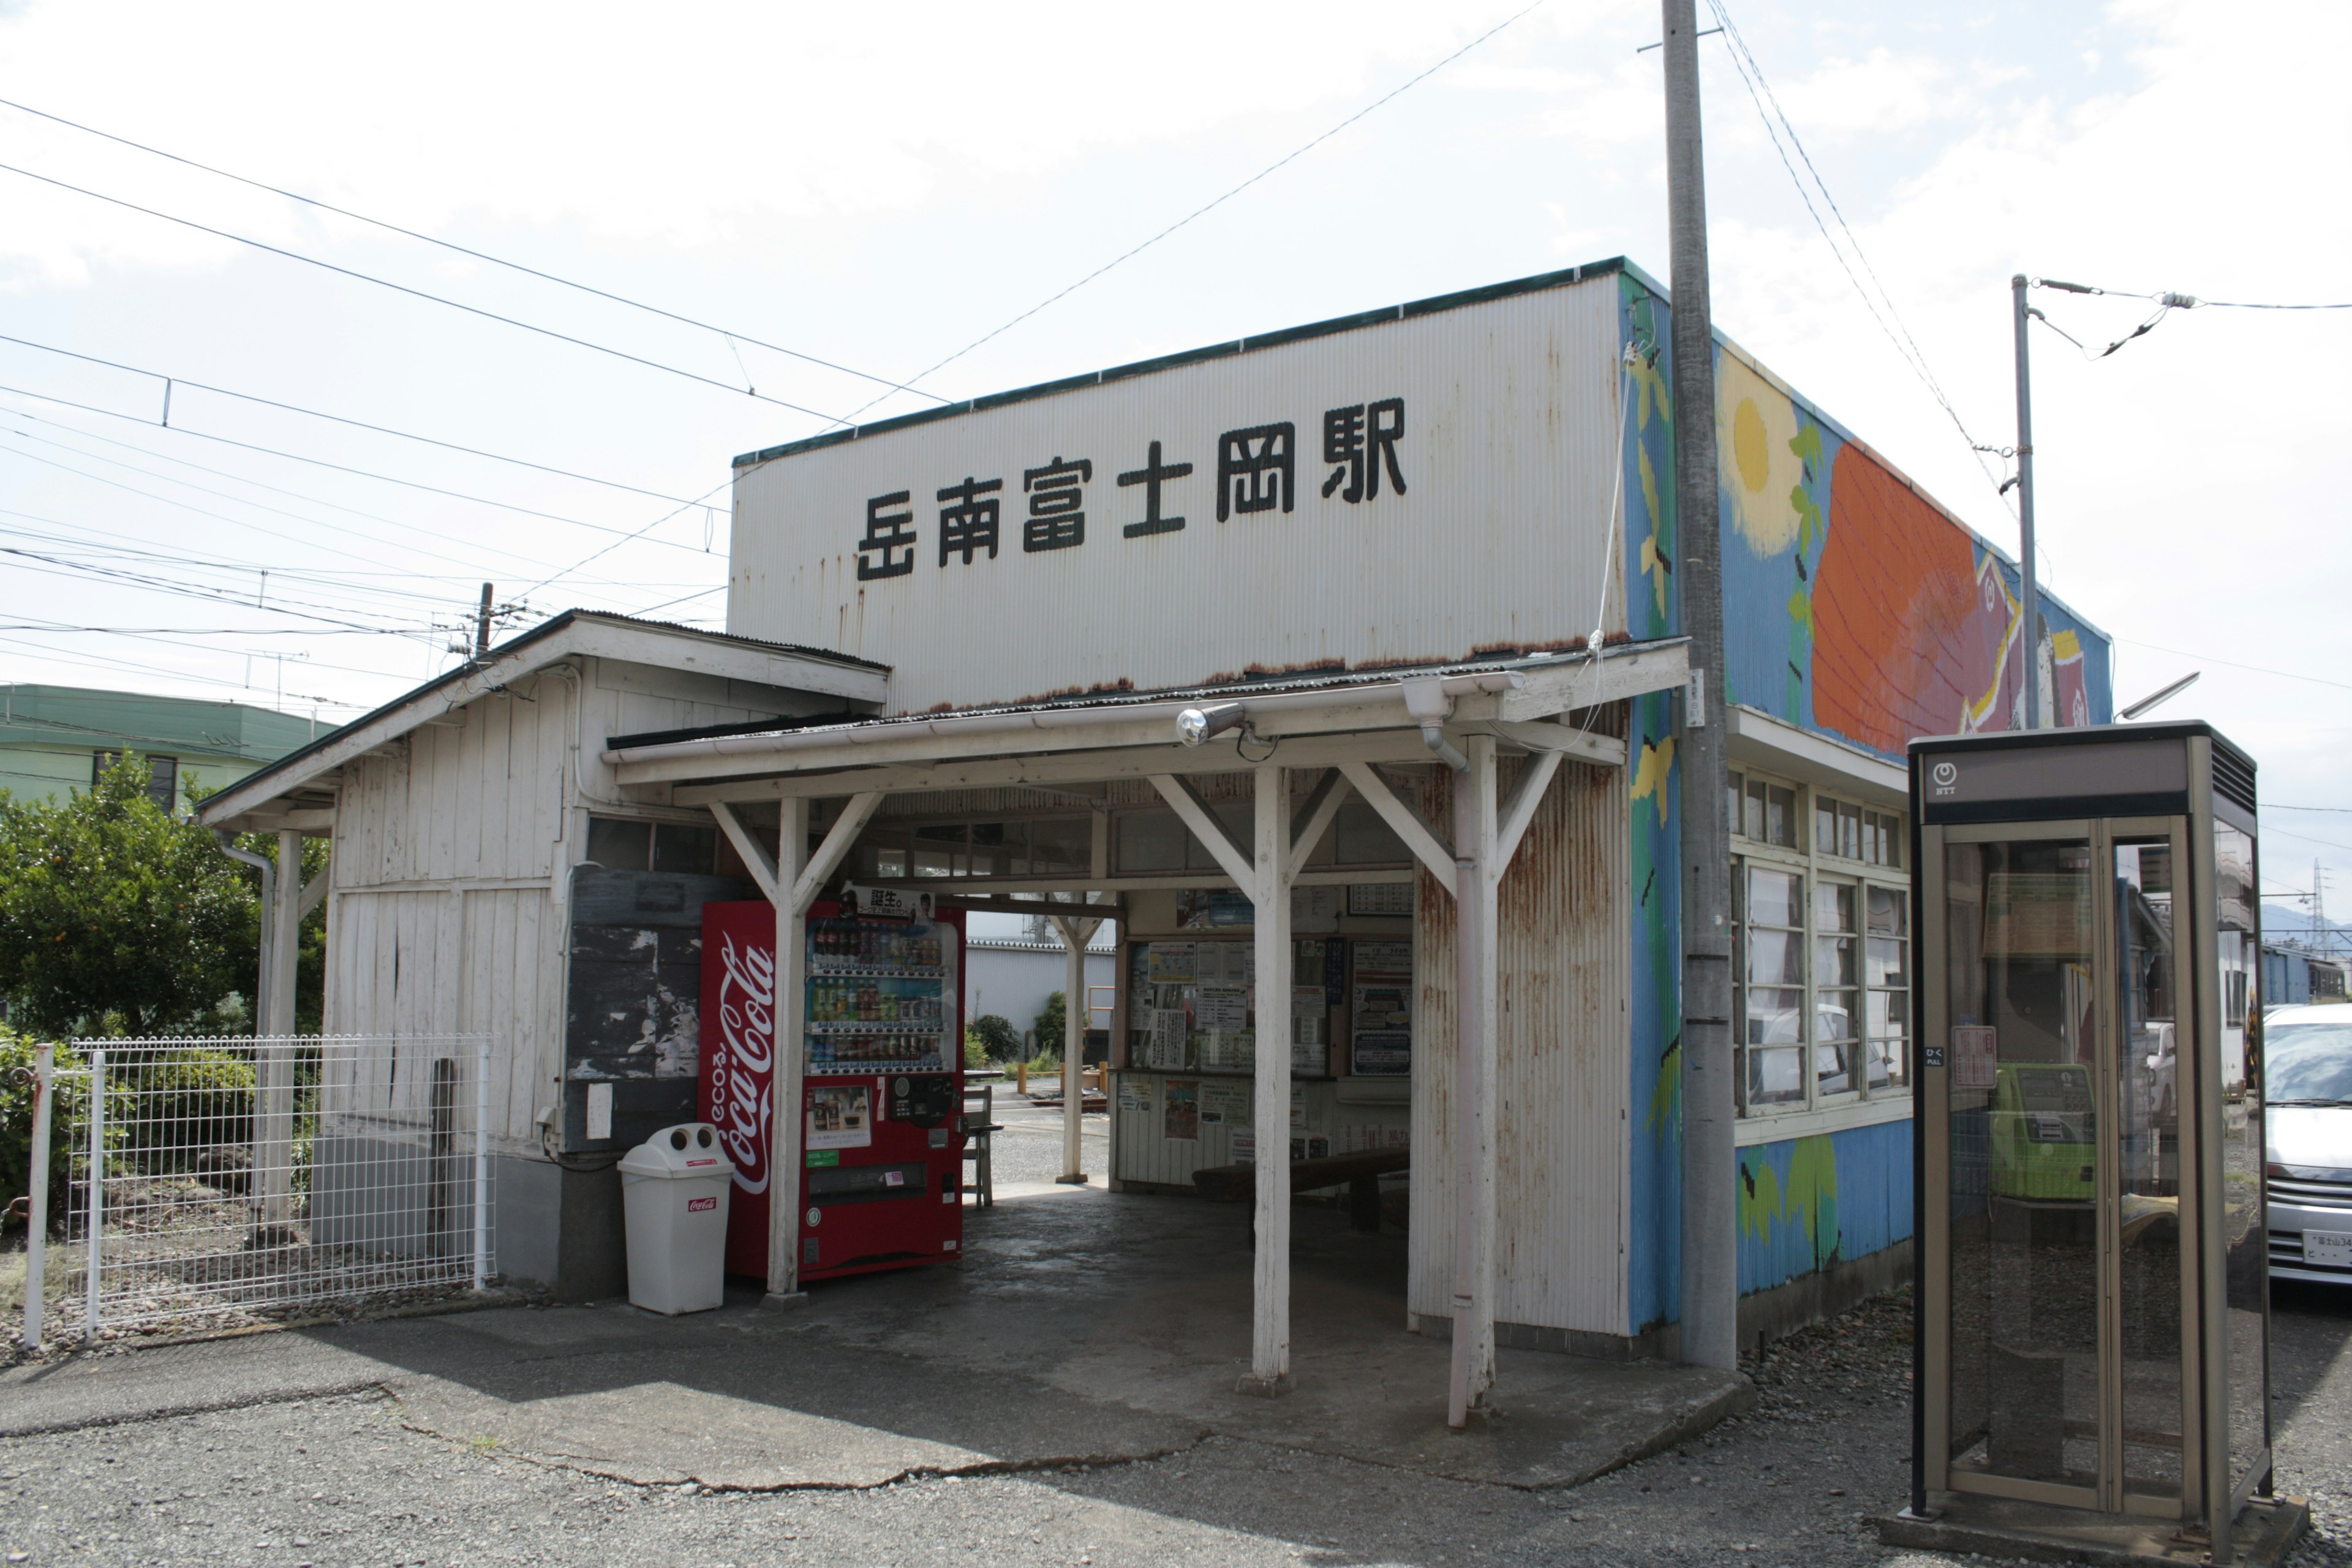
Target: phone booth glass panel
column 2094, row 1272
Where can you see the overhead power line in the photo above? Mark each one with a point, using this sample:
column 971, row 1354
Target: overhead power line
column 311, row 413
column 1890, row 321
column 322, row 463
column 1207, row 207
column 421, row 294
column 728, row 333
column 2167, row 302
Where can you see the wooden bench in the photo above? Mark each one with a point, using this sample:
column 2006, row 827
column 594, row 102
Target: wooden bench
column 1359, row 1173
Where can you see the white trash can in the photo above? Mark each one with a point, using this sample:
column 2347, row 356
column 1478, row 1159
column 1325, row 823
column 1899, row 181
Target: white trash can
column 673, row 1200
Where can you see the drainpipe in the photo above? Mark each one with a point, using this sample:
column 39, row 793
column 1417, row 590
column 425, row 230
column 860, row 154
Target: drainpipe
column 261, row 992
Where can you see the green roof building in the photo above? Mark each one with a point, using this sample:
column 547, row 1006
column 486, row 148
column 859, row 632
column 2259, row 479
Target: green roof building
column 57, row 739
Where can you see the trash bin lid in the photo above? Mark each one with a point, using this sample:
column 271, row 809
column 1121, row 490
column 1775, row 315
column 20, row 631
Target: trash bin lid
column 688, row 1149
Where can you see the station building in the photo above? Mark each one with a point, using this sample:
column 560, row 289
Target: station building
column 1414, row 571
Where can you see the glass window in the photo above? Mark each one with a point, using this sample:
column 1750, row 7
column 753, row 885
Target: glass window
column 681, row 847
column 1882, row 838
column 1149, row 841
column 618, row 844
column 1835, row 970
column 1735, row 792
column 162, row 776
column 1772, row 940
column 1060, row 844
column 1823, row 962
column 1886, row 974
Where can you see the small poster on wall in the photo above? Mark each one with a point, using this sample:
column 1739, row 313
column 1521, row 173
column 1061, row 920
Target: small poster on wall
column 1223, row 1008
column 840, row 1116
column 1387, row 960
column 1167, row 1052
column 1976, row 1056
column 1171, row 962
column 1134, row 1093
column 1380, row 899
column 1225, row 1104
column 1380, row 1042
column 1183, row 1119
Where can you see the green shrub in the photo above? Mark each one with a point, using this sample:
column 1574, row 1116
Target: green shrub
column 188, row 1099
column 993, row 1036
column 66, row 1121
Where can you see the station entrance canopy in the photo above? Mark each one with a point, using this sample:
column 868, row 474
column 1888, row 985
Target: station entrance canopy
column 1306, row 746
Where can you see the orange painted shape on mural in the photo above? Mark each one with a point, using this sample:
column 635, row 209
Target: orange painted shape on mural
column 1892, row 597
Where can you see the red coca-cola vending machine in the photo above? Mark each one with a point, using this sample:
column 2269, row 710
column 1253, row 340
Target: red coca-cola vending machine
column 882, row 1091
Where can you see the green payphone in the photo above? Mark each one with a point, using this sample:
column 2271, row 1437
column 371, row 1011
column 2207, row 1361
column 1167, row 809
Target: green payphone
column 2093, row 1271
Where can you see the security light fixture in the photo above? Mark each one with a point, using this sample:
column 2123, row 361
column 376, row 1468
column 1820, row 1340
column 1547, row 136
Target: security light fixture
column 1195, row 725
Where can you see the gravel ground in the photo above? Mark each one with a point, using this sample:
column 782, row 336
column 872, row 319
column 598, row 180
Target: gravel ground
column 1030, row 1147
column 342, row 1482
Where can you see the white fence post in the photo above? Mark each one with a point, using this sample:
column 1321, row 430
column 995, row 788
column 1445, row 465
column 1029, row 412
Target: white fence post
column 273, row 1144
column 36, row 1223
column 97, row 1222
column 481, row 1164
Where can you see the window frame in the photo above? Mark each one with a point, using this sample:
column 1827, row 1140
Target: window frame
column 1818, row 866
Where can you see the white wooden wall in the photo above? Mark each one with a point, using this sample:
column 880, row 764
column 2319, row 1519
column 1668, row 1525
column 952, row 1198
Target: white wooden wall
column 452, row 850
column 1562, row 1146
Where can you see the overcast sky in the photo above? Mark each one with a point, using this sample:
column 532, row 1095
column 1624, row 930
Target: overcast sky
column 881, row 186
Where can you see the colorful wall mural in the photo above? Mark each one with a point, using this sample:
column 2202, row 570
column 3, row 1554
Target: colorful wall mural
column 1809, row 1202
column 1653, row 610
column 1854, row 608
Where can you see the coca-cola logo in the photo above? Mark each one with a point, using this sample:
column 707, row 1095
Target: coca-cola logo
column 741, row 1107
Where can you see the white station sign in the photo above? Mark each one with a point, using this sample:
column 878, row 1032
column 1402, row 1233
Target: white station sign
column 1421, row 486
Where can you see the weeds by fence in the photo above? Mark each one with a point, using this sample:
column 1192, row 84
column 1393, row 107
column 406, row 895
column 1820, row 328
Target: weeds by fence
column 215, row 1180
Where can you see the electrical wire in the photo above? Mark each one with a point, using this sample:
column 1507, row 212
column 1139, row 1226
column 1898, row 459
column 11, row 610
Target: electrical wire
column 222, row 495
column 731, row 336
column 421, row 294
column 2255, row 668
column 313, row 413
column 1204, row 209
column 299, row 495
column 2338, row 810
column 1759, row 90
column 608, row 549
column 2167, row 301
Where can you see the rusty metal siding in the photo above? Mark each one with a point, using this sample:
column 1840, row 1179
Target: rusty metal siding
column 1500, row 537
column 1563, row 976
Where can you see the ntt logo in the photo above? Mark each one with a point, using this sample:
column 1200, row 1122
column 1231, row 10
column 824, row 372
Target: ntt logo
column 1946, row 775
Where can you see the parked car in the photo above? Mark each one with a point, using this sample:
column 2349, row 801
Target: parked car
column 2307, row 1156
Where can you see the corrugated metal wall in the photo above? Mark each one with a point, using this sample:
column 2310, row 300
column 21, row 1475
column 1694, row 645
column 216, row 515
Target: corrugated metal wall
column 1561, row 1134
column 1498, row 537
column 1807, row 1204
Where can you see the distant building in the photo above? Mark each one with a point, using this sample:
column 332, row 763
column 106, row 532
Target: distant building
column 1010, row 969
column 55, row 740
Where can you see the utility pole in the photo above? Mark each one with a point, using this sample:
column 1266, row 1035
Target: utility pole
column 482, row 625
column 2030, row 609
column 1710, row 1282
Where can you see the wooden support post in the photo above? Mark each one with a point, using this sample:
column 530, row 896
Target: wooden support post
column 1074, row 934
column 1474, row 834
column 1269, row 891
column 785, row 1174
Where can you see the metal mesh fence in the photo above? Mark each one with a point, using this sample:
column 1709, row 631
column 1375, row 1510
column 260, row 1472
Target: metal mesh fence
column 215, row 1180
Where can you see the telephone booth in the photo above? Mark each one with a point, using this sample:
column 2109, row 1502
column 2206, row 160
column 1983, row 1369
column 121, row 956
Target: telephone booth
column 2094, row 1284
